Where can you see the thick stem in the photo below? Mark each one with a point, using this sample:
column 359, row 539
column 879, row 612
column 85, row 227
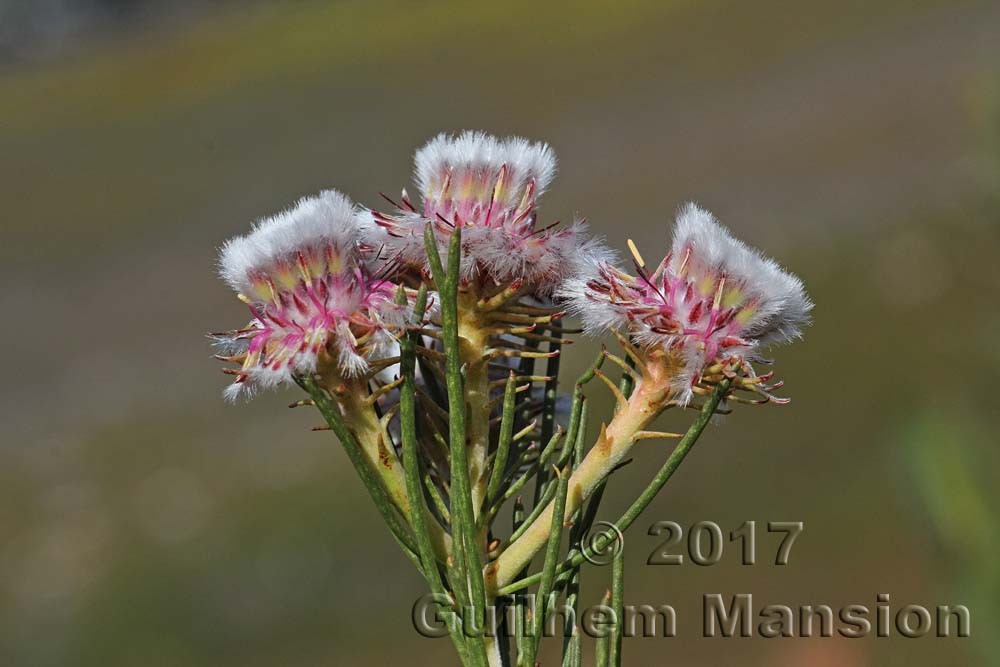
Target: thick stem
column 473, row 344
column 361, row 419
column 492, row 645
column 645, row 498
column 366, row 473
column 613, row 444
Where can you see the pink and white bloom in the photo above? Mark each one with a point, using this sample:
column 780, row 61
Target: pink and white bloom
column 712, row 298
column 490, row 188
column 312, row 295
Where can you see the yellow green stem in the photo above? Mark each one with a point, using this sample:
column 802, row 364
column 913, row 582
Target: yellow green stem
column 360, row 417
column 615, row 441
column 474, row 341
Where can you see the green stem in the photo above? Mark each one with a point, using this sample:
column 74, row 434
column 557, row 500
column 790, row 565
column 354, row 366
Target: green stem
column 473, row 344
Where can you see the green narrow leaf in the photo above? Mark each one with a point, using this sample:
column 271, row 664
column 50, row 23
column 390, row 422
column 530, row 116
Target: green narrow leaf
column 520, row 482
column 548, row 410
column 617, row 603
column 603, row 644
column 676, row 457
column 506, row 435
column 572, row 651
column 551, row 561
column 467, row 565
column 576, row 426
column 537, row 510
column 411, row 467
column 519, row 598
column 439, row 504
column 628, row 382
column 572, row 656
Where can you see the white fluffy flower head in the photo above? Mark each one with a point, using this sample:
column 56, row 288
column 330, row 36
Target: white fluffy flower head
column 712, row 297
column 311, row 294
column 488, row 187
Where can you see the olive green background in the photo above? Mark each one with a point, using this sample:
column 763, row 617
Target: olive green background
column 145, row 522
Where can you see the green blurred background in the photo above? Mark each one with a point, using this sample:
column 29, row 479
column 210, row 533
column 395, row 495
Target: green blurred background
column 145, row 522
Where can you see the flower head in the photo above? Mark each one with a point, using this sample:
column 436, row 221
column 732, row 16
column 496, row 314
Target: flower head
column 712, row 298
column 489, row 187
column 310, row 291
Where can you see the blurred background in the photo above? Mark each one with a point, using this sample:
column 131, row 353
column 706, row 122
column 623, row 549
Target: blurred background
column 145, row 522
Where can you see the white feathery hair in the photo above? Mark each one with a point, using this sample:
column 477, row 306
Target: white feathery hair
column 597, row 316
column 474, row 149
column 588, row 253
column 407, row 247
column 783, row 306
column 260, row 379
column 329, row 217
column 565, row 253
column 369, row 231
